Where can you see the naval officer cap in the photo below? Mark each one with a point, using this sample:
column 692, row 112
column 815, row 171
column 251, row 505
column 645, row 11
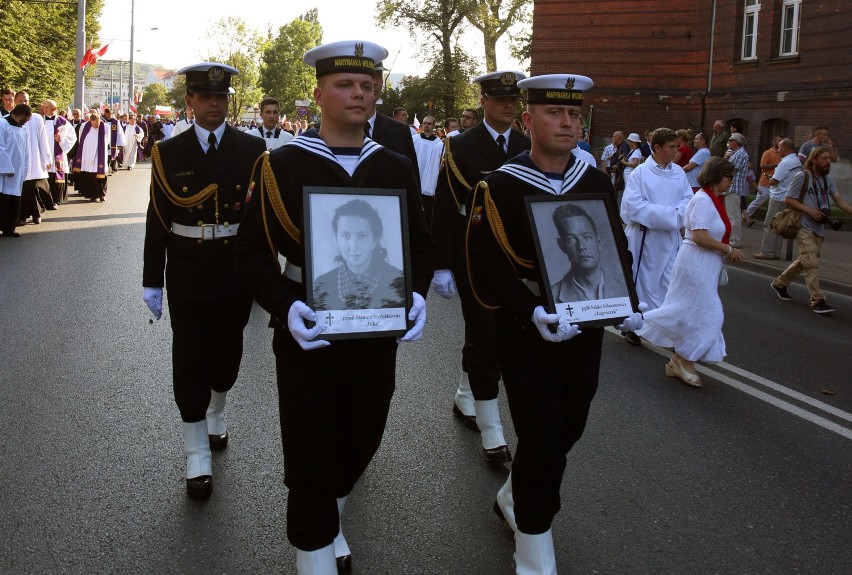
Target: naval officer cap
column 209, row 78
column 559, row 89
column 502, row 83
column 347, row 56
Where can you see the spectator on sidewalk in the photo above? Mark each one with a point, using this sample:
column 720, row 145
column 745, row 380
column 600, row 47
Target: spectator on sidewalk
column 816, row 210
column 820, row 139
column 779, row 183
column 693, row 167
column 739, row 187
column 719, row 141
column 768, row 162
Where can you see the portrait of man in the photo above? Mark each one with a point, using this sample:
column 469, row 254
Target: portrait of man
column 580, row 258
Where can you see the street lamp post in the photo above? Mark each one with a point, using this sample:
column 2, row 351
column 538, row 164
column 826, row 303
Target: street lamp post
column 132, row 53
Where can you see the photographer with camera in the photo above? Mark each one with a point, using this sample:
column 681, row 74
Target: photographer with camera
column 816, row 212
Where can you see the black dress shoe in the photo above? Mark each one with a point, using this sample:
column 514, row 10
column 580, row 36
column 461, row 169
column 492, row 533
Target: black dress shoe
column 498, row 454
column 199, row 487
column 344, row 565
column 218, row 442
column 631, row 338
column 468, row 420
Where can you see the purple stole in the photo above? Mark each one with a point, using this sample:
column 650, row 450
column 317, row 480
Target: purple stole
column 58, row 154
column 78, row 159
column 113, row 138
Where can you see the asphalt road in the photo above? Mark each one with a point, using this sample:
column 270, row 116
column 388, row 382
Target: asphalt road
column 751, row 474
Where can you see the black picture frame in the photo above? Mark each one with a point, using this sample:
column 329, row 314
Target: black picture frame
column 615, row 297
column 373, row 303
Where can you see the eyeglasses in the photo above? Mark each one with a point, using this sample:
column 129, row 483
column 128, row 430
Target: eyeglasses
column 730, row 176
column 468, row 117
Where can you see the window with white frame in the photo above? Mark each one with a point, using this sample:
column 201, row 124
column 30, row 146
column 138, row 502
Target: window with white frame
column 790, row 10
column 749, row 42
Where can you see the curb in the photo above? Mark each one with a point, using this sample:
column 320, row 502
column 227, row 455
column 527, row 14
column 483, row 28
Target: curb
column 770, row 270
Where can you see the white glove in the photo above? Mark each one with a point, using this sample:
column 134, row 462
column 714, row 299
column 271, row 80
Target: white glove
column 564, row 331
column 633, row 322
column 642, row 307
column 299, row 312
column 418, row 316
column 444, row 283
column 153, row 298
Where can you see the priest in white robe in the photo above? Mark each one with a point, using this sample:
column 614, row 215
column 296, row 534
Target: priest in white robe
column 92, row 160
column 133, row 135
column 62, row 136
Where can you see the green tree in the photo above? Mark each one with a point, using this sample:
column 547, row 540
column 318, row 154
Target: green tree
column 494, row 18
column 284, row 75
column 154, row 95
column 177, row 93
column 422, row 95
column 239, row 46
column 39, row 45
column 520, row 42
column 440, row 19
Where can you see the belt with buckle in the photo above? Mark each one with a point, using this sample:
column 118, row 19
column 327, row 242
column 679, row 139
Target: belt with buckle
column 205, row 231
column 293, row 272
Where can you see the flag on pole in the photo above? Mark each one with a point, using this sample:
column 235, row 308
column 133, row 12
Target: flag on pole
column 91, row 56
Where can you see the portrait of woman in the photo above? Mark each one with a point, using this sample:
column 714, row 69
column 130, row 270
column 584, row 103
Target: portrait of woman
column 362, row 277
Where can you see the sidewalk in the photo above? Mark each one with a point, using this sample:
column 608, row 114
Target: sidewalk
column 835, row 268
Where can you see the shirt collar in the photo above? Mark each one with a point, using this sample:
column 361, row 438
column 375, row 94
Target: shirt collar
column 494, row 133
column 203, row 134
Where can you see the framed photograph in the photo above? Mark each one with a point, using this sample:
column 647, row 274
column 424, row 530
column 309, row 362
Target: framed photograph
column 357, row 268
column 581, row 251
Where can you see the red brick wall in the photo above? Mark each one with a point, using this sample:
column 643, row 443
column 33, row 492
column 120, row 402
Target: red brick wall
column 650, row 61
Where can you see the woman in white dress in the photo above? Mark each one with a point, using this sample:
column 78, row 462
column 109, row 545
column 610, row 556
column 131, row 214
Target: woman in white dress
column 690, row 319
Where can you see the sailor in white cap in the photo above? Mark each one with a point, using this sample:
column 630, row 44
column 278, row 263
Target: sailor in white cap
column 468, row 158
column 333, row 397
column 550, row 375
column 198, row 188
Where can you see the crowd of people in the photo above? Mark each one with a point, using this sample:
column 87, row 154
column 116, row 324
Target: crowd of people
column 227, row 201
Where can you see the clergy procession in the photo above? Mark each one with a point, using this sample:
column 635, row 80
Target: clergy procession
column 542, row 247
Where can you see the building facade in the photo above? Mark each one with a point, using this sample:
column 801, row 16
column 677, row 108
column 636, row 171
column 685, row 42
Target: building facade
column 776, row 67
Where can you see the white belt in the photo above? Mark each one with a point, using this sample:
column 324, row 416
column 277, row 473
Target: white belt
column 293, row 272
column 205, row 231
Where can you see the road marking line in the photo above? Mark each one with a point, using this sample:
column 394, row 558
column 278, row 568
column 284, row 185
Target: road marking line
column 772, row 400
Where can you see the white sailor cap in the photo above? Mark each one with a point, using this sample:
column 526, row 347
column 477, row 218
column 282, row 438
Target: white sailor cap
column 209, row 78
column 560, row 89
column 347, row 56
column 500, row 83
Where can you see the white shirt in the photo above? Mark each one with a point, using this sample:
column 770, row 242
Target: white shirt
column 272, row 143
column 203, row 134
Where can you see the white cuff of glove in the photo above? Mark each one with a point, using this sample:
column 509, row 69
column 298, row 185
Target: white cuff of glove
column 418, row 316
column 299, row 312
column 153, row 298
column 444, row 283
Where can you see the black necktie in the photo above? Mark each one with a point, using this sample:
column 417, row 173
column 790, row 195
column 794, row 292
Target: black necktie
column 367, row 129
column 501, row 141
column 268, row 134
column 211, row 139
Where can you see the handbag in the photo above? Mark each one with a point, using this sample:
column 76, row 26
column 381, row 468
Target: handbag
column 788, row 221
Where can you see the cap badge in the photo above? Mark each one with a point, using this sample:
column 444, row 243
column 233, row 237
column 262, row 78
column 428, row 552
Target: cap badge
column 569, row 83
column 359, row 49
column 216, row 74
column 507, row 79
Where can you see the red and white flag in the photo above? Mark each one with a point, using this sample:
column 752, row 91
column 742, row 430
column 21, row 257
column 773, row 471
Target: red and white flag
column 91, row 56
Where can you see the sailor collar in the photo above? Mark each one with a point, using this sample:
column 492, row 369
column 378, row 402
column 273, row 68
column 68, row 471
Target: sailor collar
column 313, row 144
column 522, row 168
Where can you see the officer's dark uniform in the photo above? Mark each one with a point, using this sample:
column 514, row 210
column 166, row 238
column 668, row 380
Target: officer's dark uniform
column 468, row 158
column 197, row 202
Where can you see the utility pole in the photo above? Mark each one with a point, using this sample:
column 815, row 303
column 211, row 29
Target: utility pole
column 80, row 73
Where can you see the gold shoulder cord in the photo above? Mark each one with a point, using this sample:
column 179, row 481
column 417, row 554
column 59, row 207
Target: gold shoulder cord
column 448, row 160
column 495, row 222
column 269, row 187
column 159, row 177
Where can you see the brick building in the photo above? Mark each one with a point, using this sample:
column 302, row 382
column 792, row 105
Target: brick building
column 775, row 66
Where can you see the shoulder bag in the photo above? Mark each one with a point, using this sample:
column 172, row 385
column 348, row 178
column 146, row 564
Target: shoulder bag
column 787, row 222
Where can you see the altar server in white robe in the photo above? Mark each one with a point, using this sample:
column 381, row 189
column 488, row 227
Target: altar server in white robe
column 14, row 157
column 655, row 197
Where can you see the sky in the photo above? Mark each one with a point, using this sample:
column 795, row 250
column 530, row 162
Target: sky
column 181, row 35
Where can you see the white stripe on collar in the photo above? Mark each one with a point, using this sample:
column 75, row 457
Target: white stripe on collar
column 317, row 147
column 537, row 179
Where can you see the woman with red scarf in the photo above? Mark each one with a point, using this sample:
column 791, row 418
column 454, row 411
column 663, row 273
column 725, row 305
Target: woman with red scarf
column 690, row 319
